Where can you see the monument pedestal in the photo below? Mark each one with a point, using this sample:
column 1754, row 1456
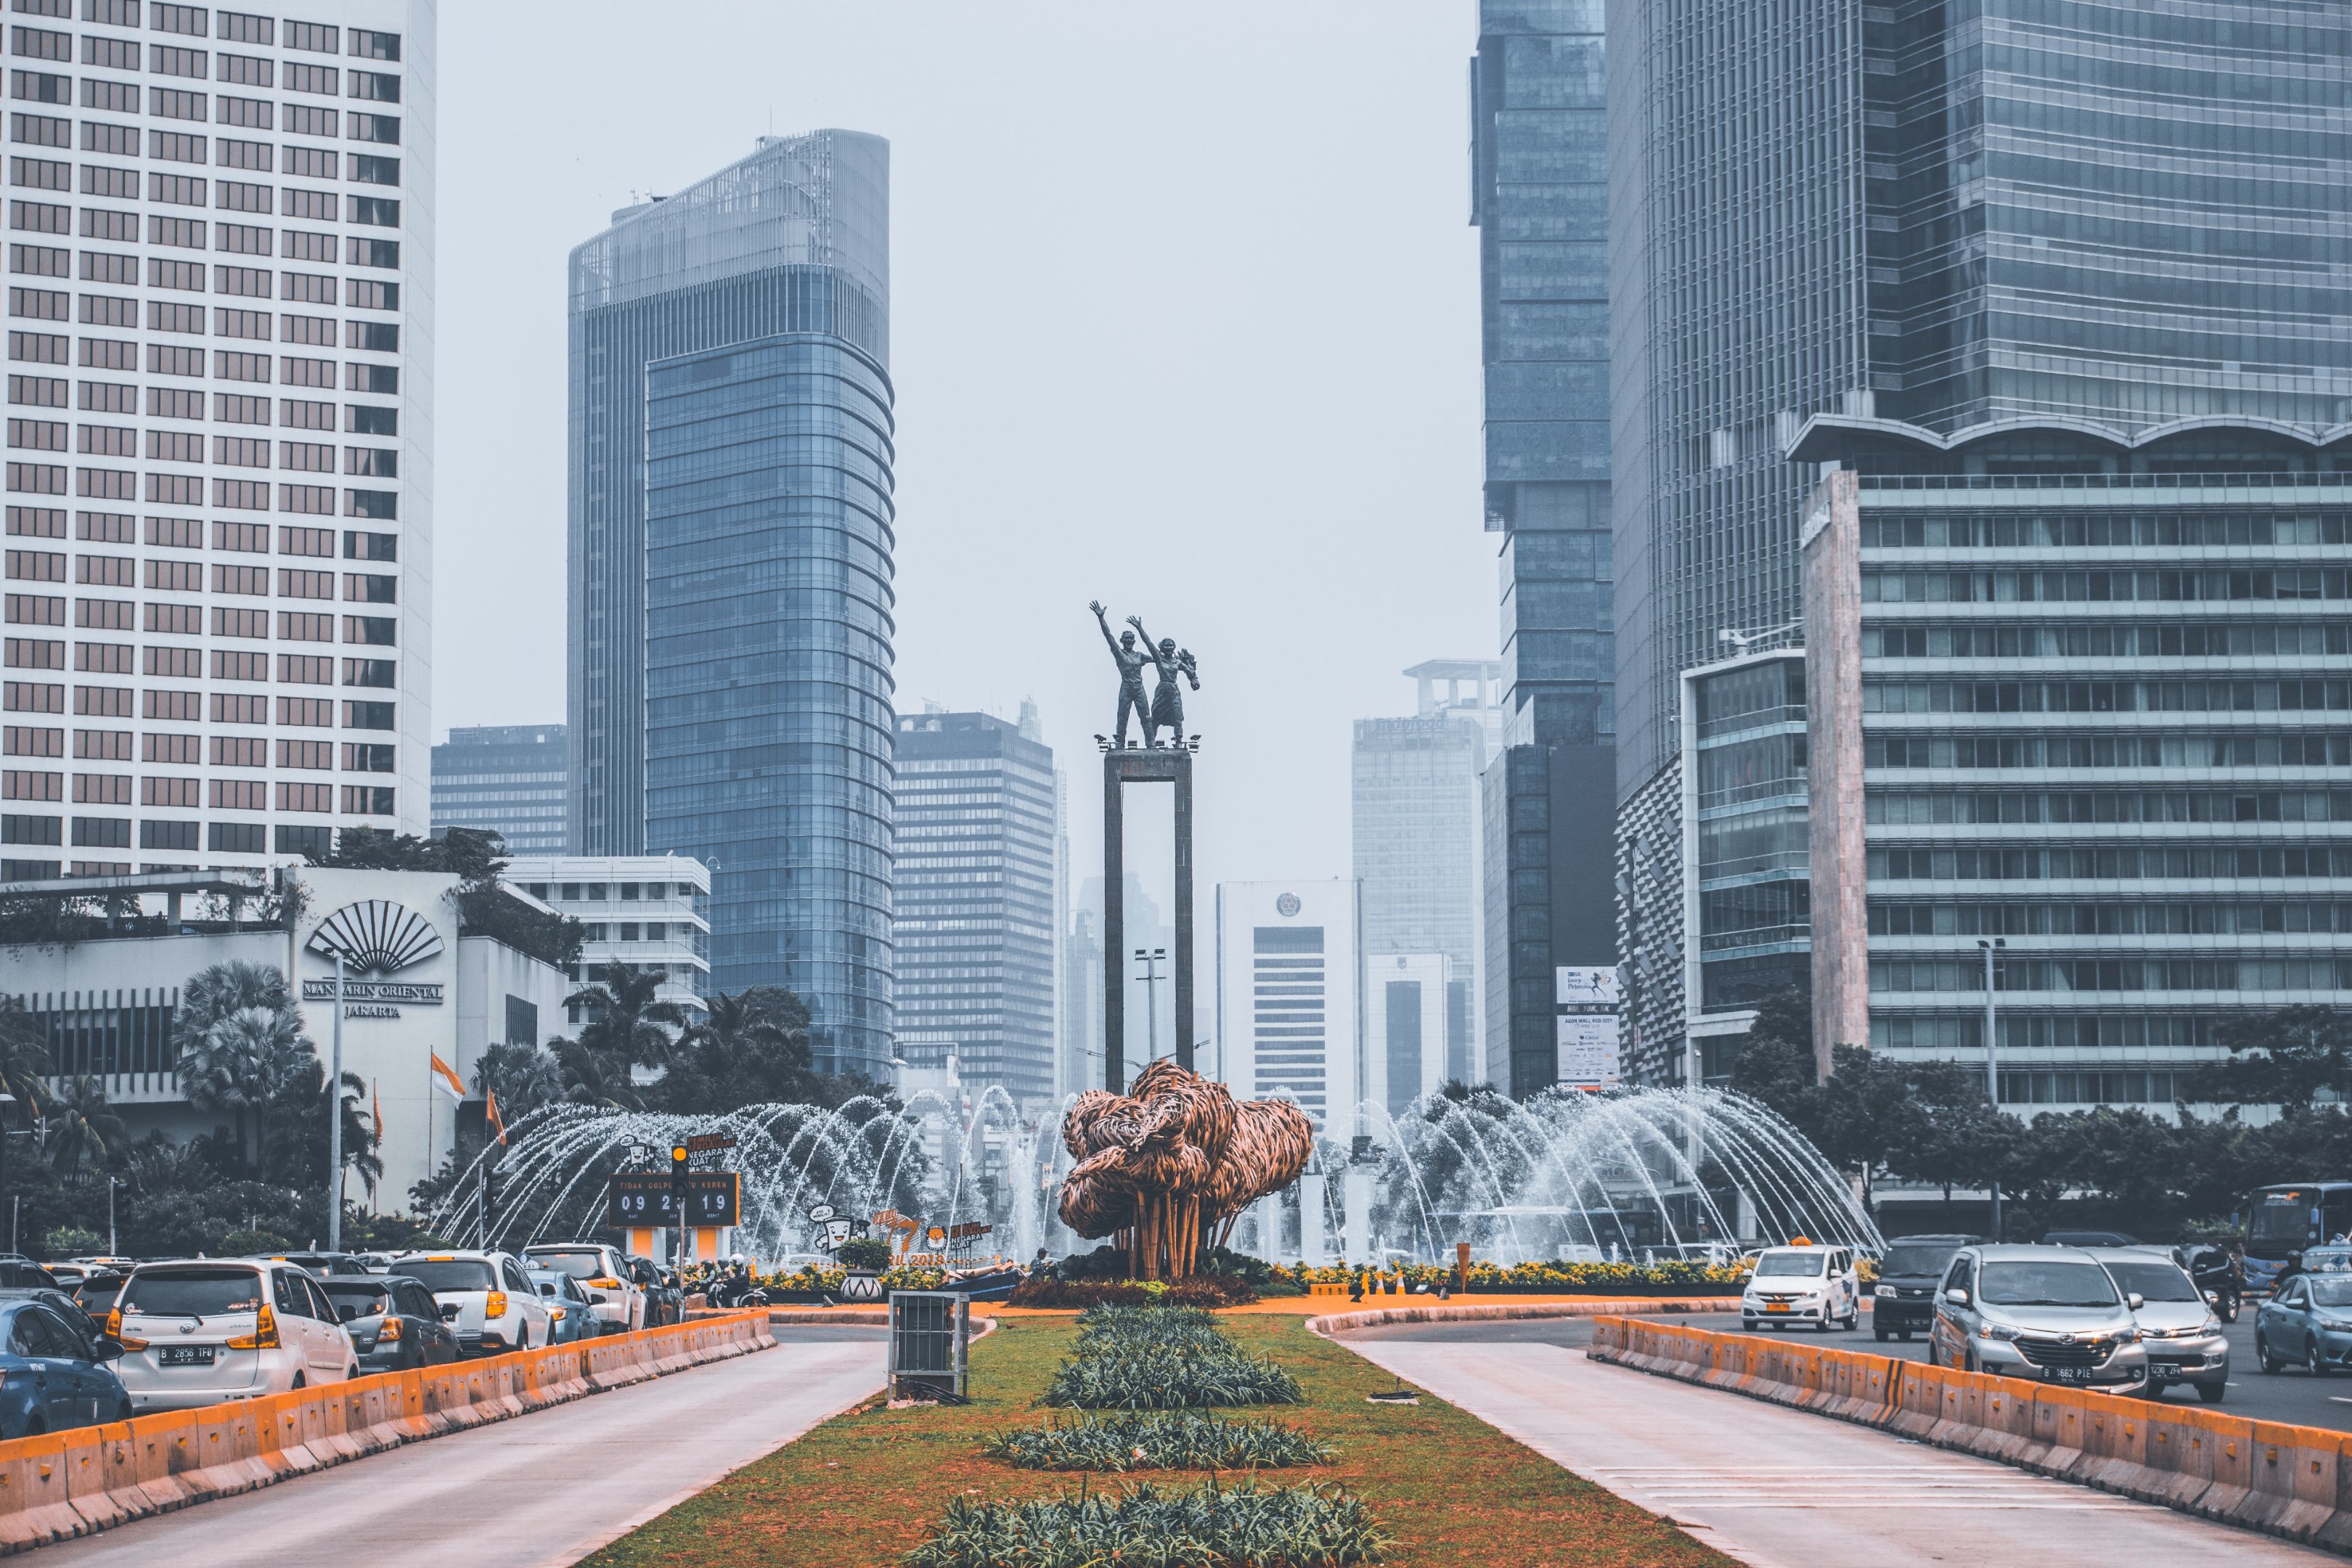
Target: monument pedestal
column 1123, row 767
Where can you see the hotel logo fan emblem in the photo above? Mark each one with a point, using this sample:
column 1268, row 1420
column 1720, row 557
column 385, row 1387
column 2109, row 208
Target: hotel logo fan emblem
column 376, row 936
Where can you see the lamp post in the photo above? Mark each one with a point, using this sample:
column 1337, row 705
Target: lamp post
column 112, row 1251
column 1992, row 1057
column 1150, row 958
column 335, row 1122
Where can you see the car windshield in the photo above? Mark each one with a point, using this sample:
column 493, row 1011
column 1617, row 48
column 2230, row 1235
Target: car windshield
column 2331, row 1292
column 2154, row 1282
column 1792, row 1264
column 1918, row 1257
column 2327, row 1260
column 440, row 1275
column 550, row 1281
column 98, row 1295
column 361, row 1299
column 585, row 1264
column 2051, row 1284
column 2282, row 1217
column 192, row 1292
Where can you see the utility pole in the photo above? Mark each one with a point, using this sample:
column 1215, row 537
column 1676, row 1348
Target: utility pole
column 112, row 1251
column 1151, row 958
column 334, row 1127
column 1992, row 1058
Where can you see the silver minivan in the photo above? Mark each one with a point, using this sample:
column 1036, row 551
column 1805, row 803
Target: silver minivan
column 2049, row 1313
column 2181, row 1335
column 201, row 1330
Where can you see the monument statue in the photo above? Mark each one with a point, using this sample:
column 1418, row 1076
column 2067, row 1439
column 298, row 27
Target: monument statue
column 1131, row 661
column 1173, row 665
column 1168, row 1168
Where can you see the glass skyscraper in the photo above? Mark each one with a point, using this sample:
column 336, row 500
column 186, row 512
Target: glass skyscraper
column 508, row 779
column 730, row 565
column 2099, row 220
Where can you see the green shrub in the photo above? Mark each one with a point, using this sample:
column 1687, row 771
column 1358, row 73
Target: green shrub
column 1287, row 1527
column 1156, row 1440
column 1164, row 1358
column 253, row 1244
column 1046, row 1290
column 864, row 1252
column 71, row 1241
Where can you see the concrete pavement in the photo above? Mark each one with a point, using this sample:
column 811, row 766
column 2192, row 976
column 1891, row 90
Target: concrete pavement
column 539, row 1490
column 1774, row 1487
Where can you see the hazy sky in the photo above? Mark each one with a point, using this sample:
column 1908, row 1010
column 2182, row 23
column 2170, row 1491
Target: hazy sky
column 1184, row 317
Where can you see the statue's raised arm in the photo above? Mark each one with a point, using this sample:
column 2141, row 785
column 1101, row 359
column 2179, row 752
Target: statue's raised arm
column 1124, row 652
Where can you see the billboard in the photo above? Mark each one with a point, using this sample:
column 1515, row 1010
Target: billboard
column 1587, row 1050
column 1587, row 986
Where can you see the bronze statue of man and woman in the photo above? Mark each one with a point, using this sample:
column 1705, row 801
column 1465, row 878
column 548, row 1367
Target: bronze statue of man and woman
column 1175, row 666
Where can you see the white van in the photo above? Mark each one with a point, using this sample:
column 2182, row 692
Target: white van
column 1803, row 1284
column 200, row 1331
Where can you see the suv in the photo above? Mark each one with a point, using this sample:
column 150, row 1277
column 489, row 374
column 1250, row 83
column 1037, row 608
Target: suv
column 2182, row 1336
column 1903, row 1302
column 614, row 1298
column 484, row 1295
column 201, row 1331
column 2050, row 1313
column 1803, row 1284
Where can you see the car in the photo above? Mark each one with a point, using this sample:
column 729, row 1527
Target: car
column 573, row 1314
column 95, row 1297
column 394, row 1324
column 324, row 1264
column 24, row 1274
column 2049, row 1313
column 2182, row 1334
column 1903, row 1302
column 2307, row 1322
column 664, row 1303
column 1803, row 1284
column 485, row 1297
column 201, row 1330
column 54, row 1373
column 2088, row 1238
column 603, row 1271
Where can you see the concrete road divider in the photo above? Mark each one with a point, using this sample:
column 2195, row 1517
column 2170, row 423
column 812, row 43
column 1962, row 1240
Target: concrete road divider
column 63, row 1484
column 2284, row 1480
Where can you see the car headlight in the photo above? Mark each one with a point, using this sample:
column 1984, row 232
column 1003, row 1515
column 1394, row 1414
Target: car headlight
column 1995, row 1331
column 2211, row 1326
column 2126, row 1337
column 1881, row 1291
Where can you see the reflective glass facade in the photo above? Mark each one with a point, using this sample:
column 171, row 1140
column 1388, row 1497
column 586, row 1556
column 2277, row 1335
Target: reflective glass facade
column 1746, row 767
column 507, row 779
column 768, row 530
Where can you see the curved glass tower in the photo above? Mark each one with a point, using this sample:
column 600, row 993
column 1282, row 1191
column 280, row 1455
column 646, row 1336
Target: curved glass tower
column 731, row 538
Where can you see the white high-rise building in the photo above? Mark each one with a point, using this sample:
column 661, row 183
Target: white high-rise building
column 1289, row 1009
column 220, row 459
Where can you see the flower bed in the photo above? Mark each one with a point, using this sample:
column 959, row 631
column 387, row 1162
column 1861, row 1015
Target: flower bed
column 1164, row 1358
column 1156, row 1440
column 1672, row 1278
column 1287, row 1526
column 1046, row 1290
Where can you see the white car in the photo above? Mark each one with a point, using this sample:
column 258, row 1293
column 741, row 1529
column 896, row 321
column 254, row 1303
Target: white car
column 201, row 1331
column 485, row 1297
column 1804, row 1284
column 603, row 1273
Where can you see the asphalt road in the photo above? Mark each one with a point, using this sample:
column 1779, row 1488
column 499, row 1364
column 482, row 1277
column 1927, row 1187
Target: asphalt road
column 2282, row 1396
column 1786, row 1489
column 535, row 1491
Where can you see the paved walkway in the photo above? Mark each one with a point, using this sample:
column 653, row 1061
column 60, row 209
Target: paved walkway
column 1773, row 1487
column 538, row 1491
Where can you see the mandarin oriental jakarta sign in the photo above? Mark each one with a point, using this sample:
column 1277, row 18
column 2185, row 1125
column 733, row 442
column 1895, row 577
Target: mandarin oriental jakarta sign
column 375, row 936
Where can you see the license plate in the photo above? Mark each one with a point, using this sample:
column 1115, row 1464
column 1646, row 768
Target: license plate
column 1775, row 1306
column 185, row 1355
column 2071, row 1373
column 2164, row 1370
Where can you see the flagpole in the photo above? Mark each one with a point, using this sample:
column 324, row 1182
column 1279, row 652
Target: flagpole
column 335, row 1120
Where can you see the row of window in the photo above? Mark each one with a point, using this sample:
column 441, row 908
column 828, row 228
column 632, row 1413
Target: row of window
column 1894, row 974
column 227, row 322
column 188, row 490
column 114, row 833
column 2118, row 861
column 188, row 446
column 229, row 151
column 1921, row 809
column 2023, row 1029
column 2135, row 918
column 188, row 577
column 195, row 234
column 2209, row 584
column 188, row 707
column 193, row 65
column 2290, row 750
column 2196, row 640
column 236, row 27
column 227, row 751
column 2217, row 695
column 596, row 892
column 195, row 191
column 2105, row 531
column 188, row 277
column 227, row 664
column 188, row 533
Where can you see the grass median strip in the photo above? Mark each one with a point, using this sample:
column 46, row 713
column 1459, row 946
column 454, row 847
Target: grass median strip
column 865, row 1489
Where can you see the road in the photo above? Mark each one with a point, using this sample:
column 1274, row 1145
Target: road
column 2282, row 1396
column 540, row 1489
column 1785, row 1488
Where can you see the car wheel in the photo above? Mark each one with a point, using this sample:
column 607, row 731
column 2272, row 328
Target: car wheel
column 2311, row 1365
column 1881, row 1332
column 300, row 1381
column 123, row 1412
column 2213, row 1393
column 1903, row 1334
column 2262, row 1357
column 351, row 1372
column 1969, row 1360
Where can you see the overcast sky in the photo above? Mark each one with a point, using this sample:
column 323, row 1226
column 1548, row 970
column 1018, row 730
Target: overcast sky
column 1184, row 317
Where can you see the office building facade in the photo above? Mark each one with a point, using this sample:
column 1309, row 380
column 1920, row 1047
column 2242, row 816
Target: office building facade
column 507, row 779
column 1289, row 999
column 649, row 912
column 973, row 935
column 220, row 464
column 1406, row 998
column 2109, row 221
column 731, row 533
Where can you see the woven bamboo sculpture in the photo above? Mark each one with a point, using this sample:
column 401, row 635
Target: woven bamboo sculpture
column 1162, row 1168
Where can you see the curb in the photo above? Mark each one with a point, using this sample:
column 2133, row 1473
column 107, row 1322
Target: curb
column 1371, row 1318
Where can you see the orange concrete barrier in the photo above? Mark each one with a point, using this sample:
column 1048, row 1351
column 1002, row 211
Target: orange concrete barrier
column 64, row 1484
column 2284, row 1480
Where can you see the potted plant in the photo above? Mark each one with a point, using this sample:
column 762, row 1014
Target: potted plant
column 866, row 1256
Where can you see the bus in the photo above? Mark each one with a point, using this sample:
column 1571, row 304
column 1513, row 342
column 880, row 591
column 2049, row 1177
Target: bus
column 2292, row 1218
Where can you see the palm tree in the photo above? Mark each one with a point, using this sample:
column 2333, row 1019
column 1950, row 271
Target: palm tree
column 211, row 993
column 521, row 1075
column 752, row 1048
column 82, row 1125
column 25, row 1065
column 628, row 1018
column 243, row 1063
column 592, row 1077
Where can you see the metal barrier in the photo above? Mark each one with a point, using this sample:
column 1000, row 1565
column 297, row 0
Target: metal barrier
column 2284, row 1480
column 71, row 1483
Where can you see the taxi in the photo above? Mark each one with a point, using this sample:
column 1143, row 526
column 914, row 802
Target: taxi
column 1803, row 1283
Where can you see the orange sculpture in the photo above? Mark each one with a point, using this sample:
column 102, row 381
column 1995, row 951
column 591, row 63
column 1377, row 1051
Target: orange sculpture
column 1162, row 1167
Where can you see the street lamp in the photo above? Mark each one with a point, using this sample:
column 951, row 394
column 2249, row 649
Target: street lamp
column 1151, row 958
column 1992, row 1057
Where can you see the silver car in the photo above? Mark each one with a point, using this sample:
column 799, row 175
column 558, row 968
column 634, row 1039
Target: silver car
column 2050, row 1313
column 2181, row 1335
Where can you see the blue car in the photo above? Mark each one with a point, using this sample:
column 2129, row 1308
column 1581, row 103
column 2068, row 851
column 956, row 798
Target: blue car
column 571, row 1316
column 2307, row 1322
column 54, row 1373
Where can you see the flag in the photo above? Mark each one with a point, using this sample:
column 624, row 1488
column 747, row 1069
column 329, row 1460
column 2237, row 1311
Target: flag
column 446, row 1075
column 377, row 1094
column 490, row 1115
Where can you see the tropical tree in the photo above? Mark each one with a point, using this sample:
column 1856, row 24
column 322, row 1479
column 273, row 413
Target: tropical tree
column 243, row 1064
column 24, row 1061
column 522, row 1075
column 2287, row 1058
column 214, row 992
column 81, row 1126
column 751, row 1050
column 627, row 1019
column 592, row 1077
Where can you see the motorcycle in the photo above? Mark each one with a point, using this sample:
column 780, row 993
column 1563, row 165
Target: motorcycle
column 2224, row 1301
column 738, row 1288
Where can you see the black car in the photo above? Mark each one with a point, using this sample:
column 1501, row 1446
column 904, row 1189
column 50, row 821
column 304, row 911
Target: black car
column 348, row 1265
column 394, row 1322
column 1903, row 1300
column 24, row 1274
column 665, row 1303
column 2088, row 1238
column 95, row 1296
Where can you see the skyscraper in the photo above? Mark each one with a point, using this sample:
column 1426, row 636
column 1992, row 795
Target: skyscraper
column 1917, row 217
column 1290, row 996
column 732, row 532
column 1540, row 199
column 973, row 935
column 220, row 432
column 508, row 779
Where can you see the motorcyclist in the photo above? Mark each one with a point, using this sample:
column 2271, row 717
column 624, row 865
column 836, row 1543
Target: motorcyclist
column 2209, row 1268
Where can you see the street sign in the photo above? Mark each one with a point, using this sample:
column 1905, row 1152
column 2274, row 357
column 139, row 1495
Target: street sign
column 642, row 1198
column 704, row 1143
